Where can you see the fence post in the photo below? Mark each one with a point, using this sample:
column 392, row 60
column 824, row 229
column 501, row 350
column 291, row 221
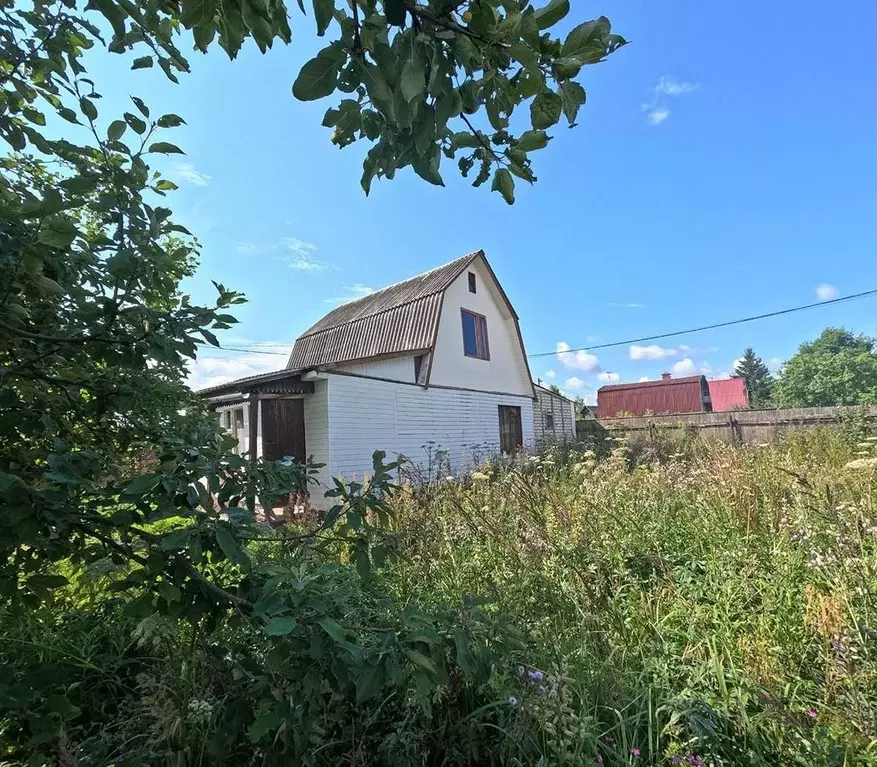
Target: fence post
column 736, row 431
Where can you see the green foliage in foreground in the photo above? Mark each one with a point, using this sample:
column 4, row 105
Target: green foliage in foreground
column 708, row 604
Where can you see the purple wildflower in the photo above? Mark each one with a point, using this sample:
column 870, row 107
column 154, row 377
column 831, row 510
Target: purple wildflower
column 608, row 738
column 634, row 751
column 676, row 760
column 513, row 701
column 538, row 676
column 693, row 759
column 541, row 689
column 552, row 693
column 812, row 714
column 520, row 671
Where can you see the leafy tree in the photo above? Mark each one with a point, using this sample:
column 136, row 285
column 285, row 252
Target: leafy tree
column 838, row 368
column 554, row 388
column 758, row 378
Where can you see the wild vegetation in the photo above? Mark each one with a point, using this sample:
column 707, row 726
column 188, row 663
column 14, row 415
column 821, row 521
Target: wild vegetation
column 672, row 603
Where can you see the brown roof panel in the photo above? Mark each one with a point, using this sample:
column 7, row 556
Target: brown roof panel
column 397, row 319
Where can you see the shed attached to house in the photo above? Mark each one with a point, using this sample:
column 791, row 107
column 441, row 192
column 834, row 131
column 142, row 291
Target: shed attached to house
column 728, row 394
column 554, row 418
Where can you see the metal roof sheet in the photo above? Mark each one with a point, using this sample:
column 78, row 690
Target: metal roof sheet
column 728, row 393
column 397, row 319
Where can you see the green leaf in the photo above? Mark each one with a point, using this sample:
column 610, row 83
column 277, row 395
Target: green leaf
column 138, row 102
column 394, row 10
column 319, row 77
column 566, row 68
column 144, row 62
column 504, row 184
column 263, row 724
column 369, row 683
column 363, row 563
column 546, row 109
column 57, row 232
column 413, row 82
column 465, row 659
column 162, row 147
column 588, row 41
column 142, row 485
column 280, row 626
column 88, row 108
column 532, row 140
column 550, row 14
column 418, row 659
column 323, row 12
column 170, row 121
column 46, row 581
column 465, row 140
column 231, row 546
column 137, row 125
column 332, row 628
column 166, row 186
column 178, row 539
column 116, row 129
column 572, row 96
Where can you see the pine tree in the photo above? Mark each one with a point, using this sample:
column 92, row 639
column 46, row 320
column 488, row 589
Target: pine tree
column 759, row 381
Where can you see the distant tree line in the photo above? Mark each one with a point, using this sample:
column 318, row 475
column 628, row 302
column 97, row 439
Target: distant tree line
column 838, row 368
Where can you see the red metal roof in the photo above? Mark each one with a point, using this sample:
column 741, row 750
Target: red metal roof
column 669, row 395
column 728, row 394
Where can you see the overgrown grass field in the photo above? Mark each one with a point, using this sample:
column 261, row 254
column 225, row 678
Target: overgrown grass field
column 709, row 606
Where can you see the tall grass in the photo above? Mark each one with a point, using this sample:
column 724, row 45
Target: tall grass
column 686, row 603
column 716, row 606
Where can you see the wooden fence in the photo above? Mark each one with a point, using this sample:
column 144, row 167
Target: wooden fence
column 732, row 426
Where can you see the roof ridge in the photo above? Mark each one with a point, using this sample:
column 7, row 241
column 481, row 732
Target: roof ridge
column 371, row 296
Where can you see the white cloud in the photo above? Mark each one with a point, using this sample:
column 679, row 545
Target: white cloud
column 627, row 306
column 247, row 248
column 826, row 292
column 673, row 87
column 667, row 87
column 685, row 367
column 575, row 384
column 643, row 379
column 652, row 352
column 609, row 377
column 214, row 370
column 352, row 292
column 302, row 256
column 550, row 374
column 185, row 171
column 580, row 360
column 774, row 364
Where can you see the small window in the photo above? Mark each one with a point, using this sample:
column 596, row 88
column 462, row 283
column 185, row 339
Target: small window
column 549, row 421
column 418, row 365
column 475, row 336
column 471, row 282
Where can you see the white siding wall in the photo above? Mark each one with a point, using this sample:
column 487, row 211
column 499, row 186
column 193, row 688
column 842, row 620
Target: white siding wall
column 506, row 369
column 367, row 415
column 396, row 369
column 317, row 433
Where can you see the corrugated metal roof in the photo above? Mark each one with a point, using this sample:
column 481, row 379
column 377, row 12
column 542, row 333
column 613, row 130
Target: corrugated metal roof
column 669, row 395
column 728, row 393
column 276, row 382
column 397, row 319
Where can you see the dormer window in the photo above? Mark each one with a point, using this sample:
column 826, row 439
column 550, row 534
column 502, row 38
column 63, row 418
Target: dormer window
column 472, row 282
column 475, row 335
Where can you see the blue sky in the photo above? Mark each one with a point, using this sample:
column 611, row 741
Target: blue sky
column 723, row 166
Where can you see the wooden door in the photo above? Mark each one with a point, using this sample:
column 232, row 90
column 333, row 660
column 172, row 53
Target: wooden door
column 283, row 429
column 511, row 435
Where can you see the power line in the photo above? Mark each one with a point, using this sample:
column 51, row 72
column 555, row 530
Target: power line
column 708, row 327
column 251, row 351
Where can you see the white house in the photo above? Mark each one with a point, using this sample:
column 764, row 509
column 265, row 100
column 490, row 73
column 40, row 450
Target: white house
column 431, row 365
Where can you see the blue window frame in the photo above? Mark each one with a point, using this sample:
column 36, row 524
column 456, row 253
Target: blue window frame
column 475, row 335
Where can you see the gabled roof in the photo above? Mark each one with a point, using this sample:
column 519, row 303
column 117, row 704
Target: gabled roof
column 649, row 384
column 401, row 318
column 728, row 393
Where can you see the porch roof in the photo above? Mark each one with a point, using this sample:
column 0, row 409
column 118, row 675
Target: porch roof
column 276, row 382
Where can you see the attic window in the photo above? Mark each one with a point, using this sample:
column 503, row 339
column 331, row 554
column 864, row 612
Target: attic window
column 472, row 282
column 418, row 365
column 475, row 335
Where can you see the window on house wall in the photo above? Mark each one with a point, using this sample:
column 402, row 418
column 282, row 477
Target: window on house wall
column 471, row 282
column 475, row 335
column 418, row 364
column 549, row 421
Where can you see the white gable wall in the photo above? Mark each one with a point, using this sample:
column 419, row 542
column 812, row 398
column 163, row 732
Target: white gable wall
column 395, row 368
column 367, row 415
column 506, row 370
